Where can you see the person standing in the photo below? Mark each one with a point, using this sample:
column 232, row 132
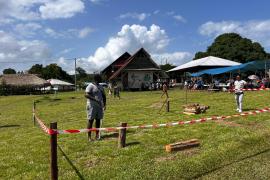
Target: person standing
column 165, row 90
column 238, row 90
column 116, row 90
column 96, row 104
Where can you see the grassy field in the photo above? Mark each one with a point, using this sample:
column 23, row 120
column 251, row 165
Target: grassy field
column 238, row 148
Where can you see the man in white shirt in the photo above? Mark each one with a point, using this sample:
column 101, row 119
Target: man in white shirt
column 96, row 104
column 238, row 90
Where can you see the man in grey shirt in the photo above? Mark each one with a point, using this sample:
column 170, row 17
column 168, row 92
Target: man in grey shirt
column 96, row 104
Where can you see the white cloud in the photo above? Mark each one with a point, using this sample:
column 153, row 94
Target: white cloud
column 70, row 33
column 256, row 30
column 14, row 50
column 37, row 9
column 175, row 58
column 97, row 1
column 129, row 39
column 156, row 11
column 84, row 32
column 138, row 16
column 28, row 29
column 179, row 18
column 61, row 9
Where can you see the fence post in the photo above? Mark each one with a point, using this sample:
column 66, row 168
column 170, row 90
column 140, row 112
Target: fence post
column 168, row 106
column 34, row 112
column 53, row 158
column 122, row 136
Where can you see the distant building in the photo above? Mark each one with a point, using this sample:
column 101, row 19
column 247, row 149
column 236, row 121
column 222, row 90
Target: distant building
column 134, row 72
column 21, row 84
column 60, row 85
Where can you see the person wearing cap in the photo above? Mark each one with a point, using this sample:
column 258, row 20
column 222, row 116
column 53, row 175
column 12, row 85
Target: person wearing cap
column 96, row 104
column 238, row 91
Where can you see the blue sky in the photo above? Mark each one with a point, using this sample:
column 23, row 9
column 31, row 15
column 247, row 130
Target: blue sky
column 98, row 31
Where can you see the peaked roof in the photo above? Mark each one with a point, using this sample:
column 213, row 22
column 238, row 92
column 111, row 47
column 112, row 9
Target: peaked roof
column 119, row 61
column 206, row 61
column 59, row 82
column 130, row 59
column 22, row 80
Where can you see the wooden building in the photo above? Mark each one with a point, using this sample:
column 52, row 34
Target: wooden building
column 134, row 72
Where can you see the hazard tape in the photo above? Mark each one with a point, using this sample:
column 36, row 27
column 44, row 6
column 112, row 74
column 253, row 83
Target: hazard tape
column 255, row 89
column 170, row 124
column 44, row 127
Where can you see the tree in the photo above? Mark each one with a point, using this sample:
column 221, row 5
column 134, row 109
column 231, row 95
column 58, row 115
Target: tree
column 82, row 73
column 36, row 69
column 9, row 71
column 167, row 67
column 234, row 47
column 54, row 71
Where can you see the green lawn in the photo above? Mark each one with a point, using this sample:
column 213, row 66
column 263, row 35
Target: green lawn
column 239, row 149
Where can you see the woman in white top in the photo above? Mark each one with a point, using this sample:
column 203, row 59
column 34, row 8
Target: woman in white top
column 239, row 94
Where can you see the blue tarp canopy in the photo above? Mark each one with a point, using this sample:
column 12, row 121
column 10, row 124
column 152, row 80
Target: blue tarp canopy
column 250, row 66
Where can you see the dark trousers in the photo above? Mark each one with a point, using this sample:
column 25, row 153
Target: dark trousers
column 90, row 126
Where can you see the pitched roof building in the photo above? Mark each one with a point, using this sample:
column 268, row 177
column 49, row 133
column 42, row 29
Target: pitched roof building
column 134, row 72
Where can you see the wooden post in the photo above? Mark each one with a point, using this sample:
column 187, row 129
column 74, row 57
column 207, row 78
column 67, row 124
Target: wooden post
column 168, row 106
column 53, row 158
column 122, row 136
column 34, row 111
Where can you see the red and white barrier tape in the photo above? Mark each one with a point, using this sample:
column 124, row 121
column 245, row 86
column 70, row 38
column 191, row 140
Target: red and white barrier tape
column 72, row 131
column 44, row 127
column 254, row 89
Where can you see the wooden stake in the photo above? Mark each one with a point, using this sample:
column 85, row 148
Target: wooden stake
column 34, row 111
column 53, row 158
column 122, row 136
column 168, row 106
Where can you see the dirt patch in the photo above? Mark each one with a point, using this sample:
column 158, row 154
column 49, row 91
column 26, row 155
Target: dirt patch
column 157, row 105
column 228, row 123
column 93, row 162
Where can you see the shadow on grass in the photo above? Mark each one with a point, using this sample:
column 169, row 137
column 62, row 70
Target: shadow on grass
column 132, row 143
column 249, row 109
column 8, row 126
column 71, row 164
column 225, row 165
column 111, row 135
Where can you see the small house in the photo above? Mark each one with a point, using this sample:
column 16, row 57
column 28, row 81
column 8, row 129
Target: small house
column 135, row 72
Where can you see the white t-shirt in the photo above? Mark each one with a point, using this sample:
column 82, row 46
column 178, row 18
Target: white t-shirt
column 239, row 85
column 96, row 92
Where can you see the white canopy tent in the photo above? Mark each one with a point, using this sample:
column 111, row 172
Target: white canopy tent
column 204, row 63
column 60, row 85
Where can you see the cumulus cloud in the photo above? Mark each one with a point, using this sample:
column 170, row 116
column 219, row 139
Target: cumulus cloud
column 15, row 50
column 256, row 30
column 138, row 16
column 37, row 9
column 130, row 38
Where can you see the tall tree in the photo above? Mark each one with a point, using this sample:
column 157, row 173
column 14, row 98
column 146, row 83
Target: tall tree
column 9, row 71
column 36, row 69
column 54, row 71
column 82, row 73
column 234, row 47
